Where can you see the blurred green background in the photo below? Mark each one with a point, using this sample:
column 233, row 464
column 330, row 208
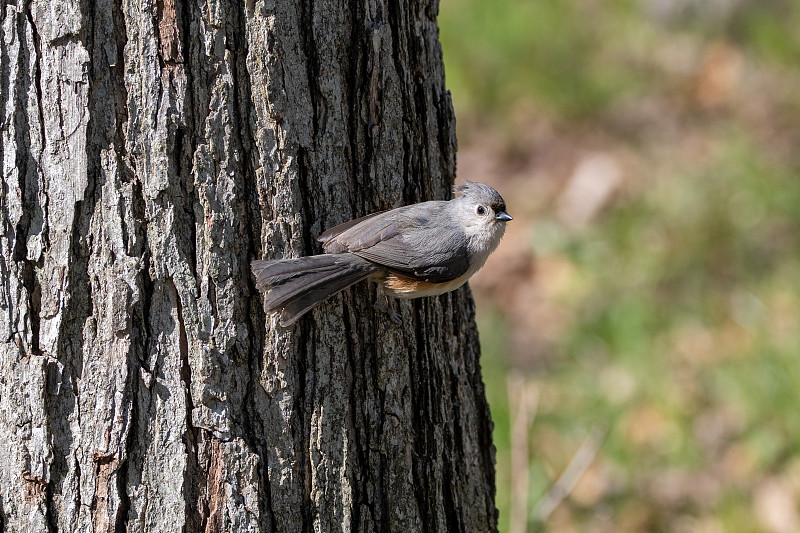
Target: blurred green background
column 640, row 322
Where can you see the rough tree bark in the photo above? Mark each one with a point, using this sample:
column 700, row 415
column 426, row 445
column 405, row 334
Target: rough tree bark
column 150, row 150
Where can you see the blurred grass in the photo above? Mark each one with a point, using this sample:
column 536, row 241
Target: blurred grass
column 520, row 48
column 575, row 58
column 676, row 306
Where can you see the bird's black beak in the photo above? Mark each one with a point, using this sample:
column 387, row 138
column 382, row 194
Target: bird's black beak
column 503, row 216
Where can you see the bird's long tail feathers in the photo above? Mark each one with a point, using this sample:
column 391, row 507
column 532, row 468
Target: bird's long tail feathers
column 295, row 286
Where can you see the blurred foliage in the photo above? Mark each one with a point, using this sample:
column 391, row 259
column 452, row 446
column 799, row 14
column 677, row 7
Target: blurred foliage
column 500, row 52
column 578, row 57
column 671, row 315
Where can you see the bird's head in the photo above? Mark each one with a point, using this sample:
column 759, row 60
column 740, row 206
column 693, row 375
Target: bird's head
column 482, row 213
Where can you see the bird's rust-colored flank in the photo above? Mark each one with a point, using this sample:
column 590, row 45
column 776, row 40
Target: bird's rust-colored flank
column 404, row 288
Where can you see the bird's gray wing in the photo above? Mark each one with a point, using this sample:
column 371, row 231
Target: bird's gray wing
column 363, row 232
column 409, row 240
column 427, row 256
column 333, row 232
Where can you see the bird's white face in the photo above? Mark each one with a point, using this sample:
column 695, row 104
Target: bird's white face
column 484, row 225
column 481, row 213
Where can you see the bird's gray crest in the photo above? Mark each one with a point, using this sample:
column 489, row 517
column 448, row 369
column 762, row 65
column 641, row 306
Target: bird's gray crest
column 479, row 191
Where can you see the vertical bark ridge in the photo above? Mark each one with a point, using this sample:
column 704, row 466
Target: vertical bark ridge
column 24, row 467
column 31, row 181
column 251, row 422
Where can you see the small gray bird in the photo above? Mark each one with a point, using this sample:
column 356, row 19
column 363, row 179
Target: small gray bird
column 417, row 250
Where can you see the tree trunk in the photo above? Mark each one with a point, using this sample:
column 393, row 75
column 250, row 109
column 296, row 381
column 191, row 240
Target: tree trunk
column 150, row 151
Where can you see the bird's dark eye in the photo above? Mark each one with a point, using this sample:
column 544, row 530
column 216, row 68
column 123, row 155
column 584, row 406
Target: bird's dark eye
column 481, row 210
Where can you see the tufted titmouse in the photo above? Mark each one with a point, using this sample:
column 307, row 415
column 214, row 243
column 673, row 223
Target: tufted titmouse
column 417, row 250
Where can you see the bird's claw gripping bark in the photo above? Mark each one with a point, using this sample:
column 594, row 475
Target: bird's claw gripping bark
column 385, row 306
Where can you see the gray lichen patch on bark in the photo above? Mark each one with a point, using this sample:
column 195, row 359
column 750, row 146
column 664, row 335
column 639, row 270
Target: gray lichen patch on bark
column 150, row 151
